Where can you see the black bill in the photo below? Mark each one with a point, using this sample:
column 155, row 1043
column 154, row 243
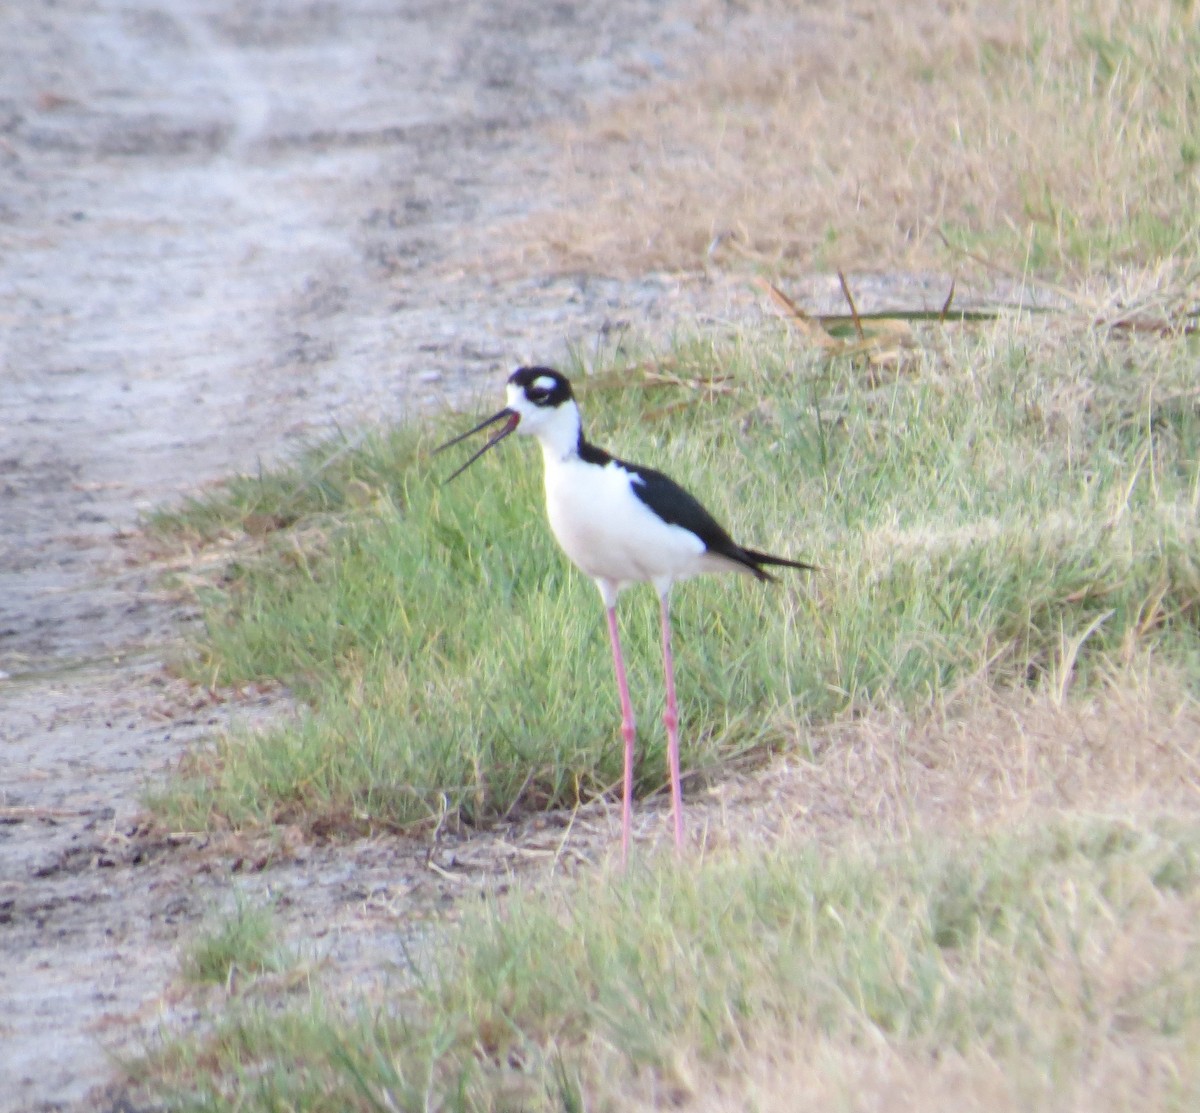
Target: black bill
column 513, row 420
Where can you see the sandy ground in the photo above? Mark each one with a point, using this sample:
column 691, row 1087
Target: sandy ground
column 225, row 227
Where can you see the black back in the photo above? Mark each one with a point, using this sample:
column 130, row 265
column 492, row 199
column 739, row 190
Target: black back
column 679, row 507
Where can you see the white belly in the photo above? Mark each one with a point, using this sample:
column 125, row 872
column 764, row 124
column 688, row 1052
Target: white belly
column 608, row 531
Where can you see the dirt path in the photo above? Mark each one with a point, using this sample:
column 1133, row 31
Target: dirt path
column 224, row 227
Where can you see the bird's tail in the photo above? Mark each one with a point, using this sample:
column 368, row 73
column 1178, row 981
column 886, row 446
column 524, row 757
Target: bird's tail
column 755, row 560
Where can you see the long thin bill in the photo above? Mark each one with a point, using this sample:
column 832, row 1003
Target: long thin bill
column 514, row 419
column 471, row 432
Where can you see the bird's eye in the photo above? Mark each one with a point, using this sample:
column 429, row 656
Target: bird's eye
column 537, row 394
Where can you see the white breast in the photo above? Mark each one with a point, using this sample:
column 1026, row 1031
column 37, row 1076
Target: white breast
column 609, row 532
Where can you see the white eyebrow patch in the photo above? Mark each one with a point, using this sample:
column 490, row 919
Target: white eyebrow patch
column 544, row 382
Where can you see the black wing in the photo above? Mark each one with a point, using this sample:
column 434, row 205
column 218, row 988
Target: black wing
column 680, row 508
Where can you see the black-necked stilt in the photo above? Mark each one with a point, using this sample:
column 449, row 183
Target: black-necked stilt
column 620, row 524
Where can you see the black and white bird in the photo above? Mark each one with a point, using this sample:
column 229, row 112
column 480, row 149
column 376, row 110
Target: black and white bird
column 621, row 524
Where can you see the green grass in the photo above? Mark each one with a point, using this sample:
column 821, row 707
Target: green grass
column 1025, row 951
column 1010, row 507
column 1102, row 160
column 241, row 944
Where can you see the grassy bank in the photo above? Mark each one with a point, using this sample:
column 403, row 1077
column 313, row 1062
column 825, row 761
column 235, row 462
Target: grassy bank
column 1052, row 968
column 1006, row 507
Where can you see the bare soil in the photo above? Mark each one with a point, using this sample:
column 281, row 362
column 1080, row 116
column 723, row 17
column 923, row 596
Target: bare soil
column 225, row 228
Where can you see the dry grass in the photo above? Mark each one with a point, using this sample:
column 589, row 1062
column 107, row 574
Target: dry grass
column 877, row 1077
column 996, row 758
column 1054, row 136
column 991, row 760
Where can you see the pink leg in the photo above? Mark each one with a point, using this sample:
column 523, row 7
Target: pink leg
column 628, row 730
column 671, row 719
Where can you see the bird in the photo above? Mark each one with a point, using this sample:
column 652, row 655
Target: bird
column 620, row 524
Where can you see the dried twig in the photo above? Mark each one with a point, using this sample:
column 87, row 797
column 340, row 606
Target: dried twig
column 795, row 316
column 16, row 813
column 948, row 302
column 853, row 308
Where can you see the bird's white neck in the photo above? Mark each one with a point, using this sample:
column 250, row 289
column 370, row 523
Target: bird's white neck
column 558, row 434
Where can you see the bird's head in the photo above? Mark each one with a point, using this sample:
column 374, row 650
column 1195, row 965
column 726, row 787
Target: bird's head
column 541, row 397
column 540, row 402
